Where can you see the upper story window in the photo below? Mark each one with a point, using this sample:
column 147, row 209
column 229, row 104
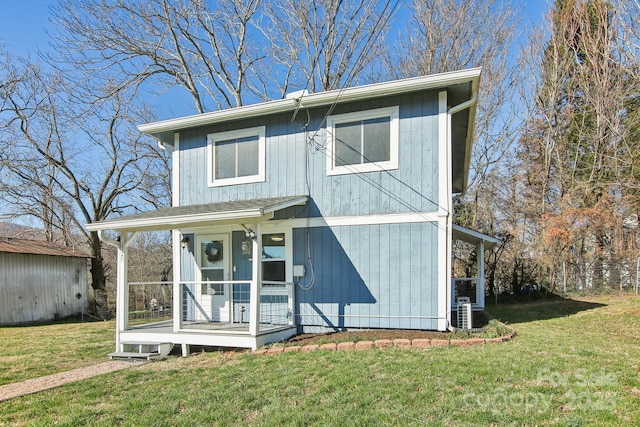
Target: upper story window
column 364, row 141
column 236, row 157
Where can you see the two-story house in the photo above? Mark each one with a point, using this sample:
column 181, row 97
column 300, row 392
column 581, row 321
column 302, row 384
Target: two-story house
column 324, row 211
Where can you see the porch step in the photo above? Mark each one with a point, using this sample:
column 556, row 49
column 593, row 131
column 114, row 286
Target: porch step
column 142, row 351
column 131, row 355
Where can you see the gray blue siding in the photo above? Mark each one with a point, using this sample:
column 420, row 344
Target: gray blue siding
column 368, row 276
column 363, row 276
column 412, row 187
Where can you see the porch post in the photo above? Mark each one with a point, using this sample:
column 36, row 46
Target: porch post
column 480, row 279
column 256, row 280
column 177, row 276
column 122, row 288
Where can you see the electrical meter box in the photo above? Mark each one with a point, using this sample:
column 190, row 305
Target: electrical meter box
column 298, row 271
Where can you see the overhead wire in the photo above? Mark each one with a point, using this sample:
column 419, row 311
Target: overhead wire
column 314, row 146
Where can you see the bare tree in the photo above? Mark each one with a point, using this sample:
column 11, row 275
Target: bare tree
column 579, row 148
column 224, row 53
column 324, row 44
column 447, row 35
column 207, row 51
column 66, row 166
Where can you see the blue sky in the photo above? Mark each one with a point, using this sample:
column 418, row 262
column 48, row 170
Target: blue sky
column 24, row 25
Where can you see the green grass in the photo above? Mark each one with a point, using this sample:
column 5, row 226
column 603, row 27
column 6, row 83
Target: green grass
column 33, row 351
column 573, row 363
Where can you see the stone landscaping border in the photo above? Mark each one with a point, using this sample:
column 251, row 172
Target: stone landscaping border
column 9, row 391
column 399, row 342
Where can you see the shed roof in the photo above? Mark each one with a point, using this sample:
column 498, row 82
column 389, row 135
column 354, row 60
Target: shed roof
column 474, row 237
column 456, row 80
column 38, row 247
column 199, row 215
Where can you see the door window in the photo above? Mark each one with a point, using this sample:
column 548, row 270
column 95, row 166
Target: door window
column 212, row 266
column 273, row 257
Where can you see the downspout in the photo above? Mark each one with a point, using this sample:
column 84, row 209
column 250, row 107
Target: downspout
column 450, row 112
column 465, row 104
column 103, row 237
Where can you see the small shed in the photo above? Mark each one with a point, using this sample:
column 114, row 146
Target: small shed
column 40, row 281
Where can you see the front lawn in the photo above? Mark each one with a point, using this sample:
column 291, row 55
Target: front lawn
column 33, row 351
column 572, row 363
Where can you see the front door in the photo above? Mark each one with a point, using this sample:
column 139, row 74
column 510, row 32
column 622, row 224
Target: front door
column 213, row 262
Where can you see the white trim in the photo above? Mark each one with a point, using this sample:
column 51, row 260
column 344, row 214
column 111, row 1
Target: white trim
column 285, row 227
column 256, row 280
column 212, row 138
column 180, row 221
column 480, row 281
column 193, row 223
column 211, row 338
column 175, row 173
column 473, row 236
column 256, row 214
column 444, row 218
column 122, row 286
column 394, row 140
column 177, row 277
column 471, row 105
column 320, row 99
column 338, row 221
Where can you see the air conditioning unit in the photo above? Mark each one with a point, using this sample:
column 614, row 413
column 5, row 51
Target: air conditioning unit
column 465, row 313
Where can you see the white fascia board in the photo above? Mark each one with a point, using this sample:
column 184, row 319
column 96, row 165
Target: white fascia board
column 474, row 236
column 313, row 100
column 283, row 205
column 173, row 222
column 470, row 132
column 181, row 221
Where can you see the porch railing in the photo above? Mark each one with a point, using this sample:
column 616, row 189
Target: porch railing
column 276, row 303
column 465, row 287
column 227, row 305
column 150, row 302
column 210, row 305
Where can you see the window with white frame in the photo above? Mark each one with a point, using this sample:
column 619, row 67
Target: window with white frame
column 363, row 141
column 236, row 157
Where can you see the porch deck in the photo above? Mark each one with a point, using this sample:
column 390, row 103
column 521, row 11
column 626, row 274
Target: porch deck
column 209, row 334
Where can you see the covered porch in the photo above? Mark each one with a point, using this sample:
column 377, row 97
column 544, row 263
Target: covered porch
column 210, row 303
column 472, row 287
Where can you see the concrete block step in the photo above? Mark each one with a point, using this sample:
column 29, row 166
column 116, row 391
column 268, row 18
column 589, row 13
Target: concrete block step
column 132, row 355
column 142, row 350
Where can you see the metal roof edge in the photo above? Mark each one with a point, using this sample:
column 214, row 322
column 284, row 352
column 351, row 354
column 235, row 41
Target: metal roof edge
column 476, row 234
column 318, row 99
column 133, row 222
column 173, row 220
column 300, row 200
column 39, row 247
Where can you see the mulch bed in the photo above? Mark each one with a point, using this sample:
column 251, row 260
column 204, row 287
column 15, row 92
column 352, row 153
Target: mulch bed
column 368, row 335
column 480, row 319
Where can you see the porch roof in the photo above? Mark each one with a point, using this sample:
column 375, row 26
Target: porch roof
column 253, row 210
column 474, row 237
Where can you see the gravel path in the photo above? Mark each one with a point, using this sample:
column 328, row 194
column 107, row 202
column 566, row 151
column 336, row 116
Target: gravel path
column 9, row 391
